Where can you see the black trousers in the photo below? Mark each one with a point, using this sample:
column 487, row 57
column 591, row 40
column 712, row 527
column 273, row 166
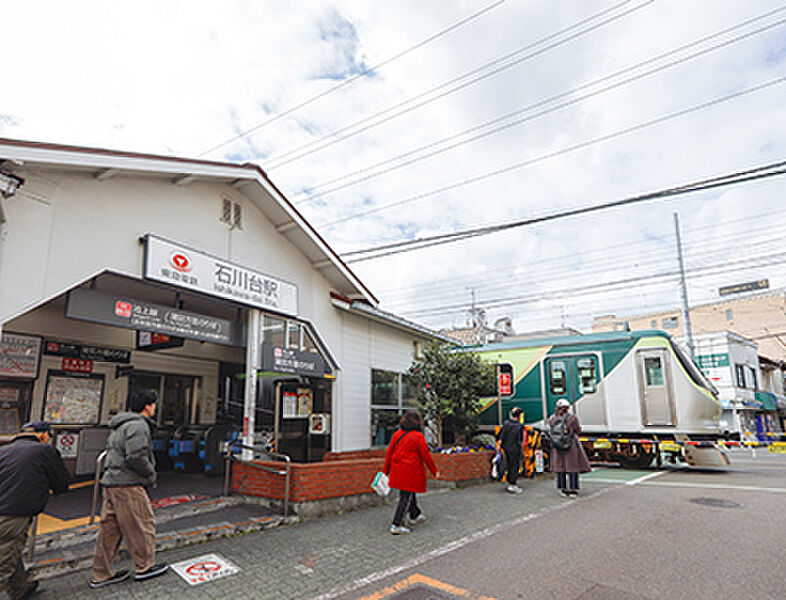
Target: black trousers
column 407, row 504
column 572, row 481
column 512, row 465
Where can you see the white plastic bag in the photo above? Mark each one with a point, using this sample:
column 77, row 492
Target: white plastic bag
column 380, row 484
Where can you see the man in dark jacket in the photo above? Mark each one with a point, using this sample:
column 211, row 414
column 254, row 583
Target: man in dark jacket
column 511, row 438
column 126, row 512
column 29, row 468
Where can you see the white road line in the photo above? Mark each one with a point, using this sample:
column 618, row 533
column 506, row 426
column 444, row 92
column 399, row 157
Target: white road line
column 717, row 486
column 455, row 545
column 644, row 478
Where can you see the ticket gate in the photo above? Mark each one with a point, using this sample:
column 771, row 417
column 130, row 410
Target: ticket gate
column 197, row 448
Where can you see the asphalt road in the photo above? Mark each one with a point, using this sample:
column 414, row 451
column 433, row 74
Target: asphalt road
column 675, row 533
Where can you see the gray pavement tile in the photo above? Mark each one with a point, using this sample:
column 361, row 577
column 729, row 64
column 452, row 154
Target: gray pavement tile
column 317, row 555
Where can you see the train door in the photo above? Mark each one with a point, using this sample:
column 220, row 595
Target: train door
column 575, row 377
column 655, row 388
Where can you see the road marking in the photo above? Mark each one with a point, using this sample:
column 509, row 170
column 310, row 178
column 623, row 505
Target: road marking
column 447, row 548
column 717, row 486
column 644, row 478
column 422, row 580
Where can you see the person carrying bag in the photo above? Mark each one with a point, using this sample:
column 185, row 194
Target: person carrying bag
column 405, row 464
column 568, row 458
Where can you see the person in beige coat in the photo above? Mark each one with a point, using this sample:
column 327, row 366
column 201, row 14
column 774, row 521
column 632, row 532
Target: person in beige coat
column 567, row 464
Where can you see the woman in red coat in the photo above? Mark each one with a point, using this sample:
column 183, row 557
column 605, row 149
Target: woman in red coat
column 404, row 465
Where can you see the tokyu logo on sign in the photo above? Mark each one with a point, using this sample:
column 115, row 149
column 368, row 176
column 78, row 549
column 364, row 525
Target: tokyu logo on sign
column 180, row 261
column 202, row 569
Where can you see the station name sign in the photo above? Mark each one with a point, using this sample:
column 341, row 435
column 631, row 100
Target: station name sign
column 178, row 265
column 286, row 360
column 128, row 313
column 761, row 284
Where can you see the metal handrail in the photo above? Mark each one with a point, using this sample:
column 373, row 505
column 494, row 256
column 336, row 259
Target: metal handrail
column 97, row 485
column 33, row 532
column 230, row 459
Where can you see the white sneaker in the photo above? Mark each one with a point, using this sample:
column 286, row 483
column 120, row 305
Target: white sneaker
column 419, row 519
column 514, row 489
column 398, row 530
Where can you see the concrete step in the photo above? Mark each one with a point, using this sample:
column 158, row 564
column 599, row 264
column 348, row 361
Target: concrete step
column 72, row 550
column 77, row 535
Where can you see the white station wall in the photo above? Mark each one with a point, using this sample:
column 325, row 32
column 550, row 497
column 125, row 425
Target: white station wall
column 365, row 345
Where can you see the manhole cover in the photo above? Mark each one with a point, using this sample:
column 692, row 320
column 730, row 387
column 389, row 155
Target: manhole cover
column 422, row 592
column 716, row 502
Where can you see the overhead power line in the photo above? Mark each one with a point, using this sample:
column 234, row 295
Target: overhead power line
column 458, row 83
column 573, row 148
column 753, row 174
column 354, row 78
column 499, row 125
column 604, row 253
column 771, row 259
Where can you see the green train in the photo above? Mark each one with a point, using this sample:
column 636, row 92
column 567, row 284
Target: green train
column 632, row 386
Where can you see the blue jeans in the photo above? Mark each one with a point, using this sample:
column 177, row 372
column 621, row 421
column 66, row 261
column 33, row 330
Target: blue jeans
column 572, row 481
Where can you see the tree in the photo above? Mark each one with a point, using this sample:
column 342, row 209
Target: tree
column 449, row 384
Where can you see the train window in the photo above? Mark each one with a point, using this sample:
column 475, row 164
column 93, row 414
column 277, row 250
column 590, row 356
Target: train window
column 557, row 377
column 586, row 368
column 654, row 370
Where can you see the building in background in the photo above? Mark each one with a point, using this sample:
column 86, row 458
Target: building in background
column 760, row 317
column 749, row 398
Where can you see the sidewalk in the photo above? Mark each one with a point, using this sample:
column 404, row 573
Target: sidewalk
column 311, row 558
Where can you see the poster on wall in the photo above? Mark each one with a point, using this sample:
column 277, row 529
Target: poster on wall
column 72, row 399
column 305, row 401
column 19, row 355
column 289, row 405
column 9, row 421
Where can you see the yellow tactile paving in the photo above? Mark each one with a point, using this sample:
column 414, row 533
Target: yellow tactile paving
column 48, row 523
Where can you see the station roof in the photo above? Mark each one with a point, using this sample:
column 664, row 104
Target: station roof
column 247, row 178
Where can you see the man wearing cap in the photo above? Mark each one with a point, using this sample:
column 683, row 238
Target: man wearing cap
column 29, row 468
column 126, row 512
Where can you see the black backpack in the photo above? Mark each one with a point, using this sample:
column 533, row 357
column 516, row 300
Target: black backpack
column 561, row 437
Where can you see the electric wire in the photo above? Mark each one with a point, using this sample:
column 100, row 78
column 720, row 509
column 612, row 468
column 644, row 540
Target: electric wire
column 416, row 159
column 562, row 151
column 774, row 259
column 357, row 76
column 761, row 172
column 690, row 242
column 335, row 136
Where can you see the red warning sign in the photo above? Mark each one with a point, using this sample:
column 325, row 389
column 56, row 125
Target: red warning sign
column 204, row 568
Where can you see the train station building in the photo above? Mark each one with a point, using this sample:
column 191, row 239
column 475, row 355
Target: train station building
column 122, row 271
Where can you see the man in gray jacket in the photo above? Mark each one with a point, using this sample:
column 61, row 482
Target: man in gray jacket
column 126, row 511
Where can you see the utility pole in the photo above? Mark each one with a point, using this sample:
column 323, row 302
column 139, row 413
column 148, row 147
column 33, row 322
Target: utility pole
column 683, row 291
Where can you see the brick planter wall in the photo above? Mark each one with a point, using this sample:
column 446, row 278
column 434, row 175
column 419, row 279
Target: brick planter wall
column 342, row 480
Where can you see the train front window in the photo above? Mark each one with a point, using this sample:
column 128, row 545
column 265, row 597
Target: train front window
column 557, row 377
column 654, row 370
column 586, row 373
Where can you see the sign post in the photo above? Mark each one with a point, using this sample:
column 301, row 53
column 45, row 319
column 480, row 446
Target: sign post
column 250, row 400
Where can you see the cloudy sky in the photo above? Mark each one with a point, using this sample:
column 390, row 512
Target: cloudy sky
column 388, row 121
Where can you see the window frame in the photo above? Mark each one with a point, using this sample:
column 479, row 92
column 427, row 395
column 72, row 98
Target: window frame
column 400, row 405
column 739, row 372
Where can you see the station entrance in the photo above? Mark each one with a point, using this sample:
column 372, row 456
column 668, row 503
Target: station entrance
column 90, row 358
